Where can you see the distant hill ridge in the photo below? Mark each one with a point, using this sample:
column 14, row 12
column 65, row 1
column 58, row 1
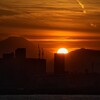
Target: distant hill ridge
column 85, row 51
column 11, row 43
column 15, row 40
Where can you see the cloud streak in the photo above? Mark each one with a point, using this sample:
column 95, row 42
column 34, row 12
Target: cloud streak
column 6, row 12
column 50, row 15
column 82, row 6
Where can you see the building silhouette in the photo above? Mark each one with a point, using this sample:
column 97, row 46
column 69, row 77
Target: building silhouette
column 19, row 64
column 18, row 71
column 20, row 53
column 59, row 63
column 83, row 61
column 8, row 55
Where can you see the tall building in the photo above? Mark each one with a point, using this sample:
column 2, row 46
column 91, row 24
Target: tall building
column 20, row 53
column 59, row 63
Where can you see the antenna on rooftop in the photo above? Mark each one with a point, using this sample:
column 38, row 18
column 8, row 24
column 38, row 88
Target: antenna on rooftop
column 42, row 53
column 39, row 51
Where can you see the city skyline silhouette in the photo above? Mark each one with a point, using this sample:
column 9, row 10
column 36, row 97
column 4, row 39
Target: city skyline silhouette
column 7, row 45
column 50, row 49
column 71, row 72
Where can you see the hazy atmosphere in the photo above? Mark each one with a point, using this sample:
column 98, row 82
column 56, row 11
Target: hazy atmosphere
column 61, row 23
column 50, row 47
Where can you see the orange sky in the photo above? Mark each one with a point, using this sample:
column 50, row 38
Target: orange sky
column 52, row 23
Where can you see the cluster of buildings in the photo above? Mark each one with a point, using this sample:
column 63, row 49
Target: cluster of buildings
column 81, row 61
column 17, row 61
column 18, row 71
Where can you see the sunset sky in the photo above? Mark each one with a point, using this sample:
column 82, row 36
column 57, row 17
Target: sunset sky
column 52, row 23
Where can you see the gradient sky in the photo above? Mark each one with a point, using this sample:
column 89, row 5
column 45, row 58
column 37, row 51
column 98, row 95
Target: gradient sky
column 52, row 23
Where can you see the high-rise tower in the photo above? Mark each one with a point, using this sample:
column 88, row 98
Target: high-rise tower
column 59, row 63
column 20, row 53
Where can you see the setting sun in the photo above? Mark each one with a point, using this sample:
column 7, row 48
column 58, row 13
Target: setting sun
column 62, row 50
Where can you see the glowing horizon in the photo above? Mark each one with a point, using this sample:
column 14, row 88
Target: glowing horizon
column 62, row 51
column 53, row 23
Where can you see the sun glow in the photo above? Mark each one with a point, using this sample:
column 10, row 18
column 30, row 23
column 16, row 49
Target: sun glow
column 62, row 51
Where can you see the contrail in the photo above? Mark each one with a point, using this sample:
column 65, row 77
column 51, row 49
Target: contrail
column 82, row 6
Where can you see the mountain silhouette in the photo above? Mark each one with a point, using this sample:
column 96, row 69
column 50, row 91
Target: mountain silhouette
column 85, row 52
column 87, row 55
column 83, row 59
column 12, row 43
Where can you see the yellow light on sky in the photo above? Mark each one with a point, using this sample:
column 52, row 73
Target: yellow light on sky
column 52, row 23
column 62, row 51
